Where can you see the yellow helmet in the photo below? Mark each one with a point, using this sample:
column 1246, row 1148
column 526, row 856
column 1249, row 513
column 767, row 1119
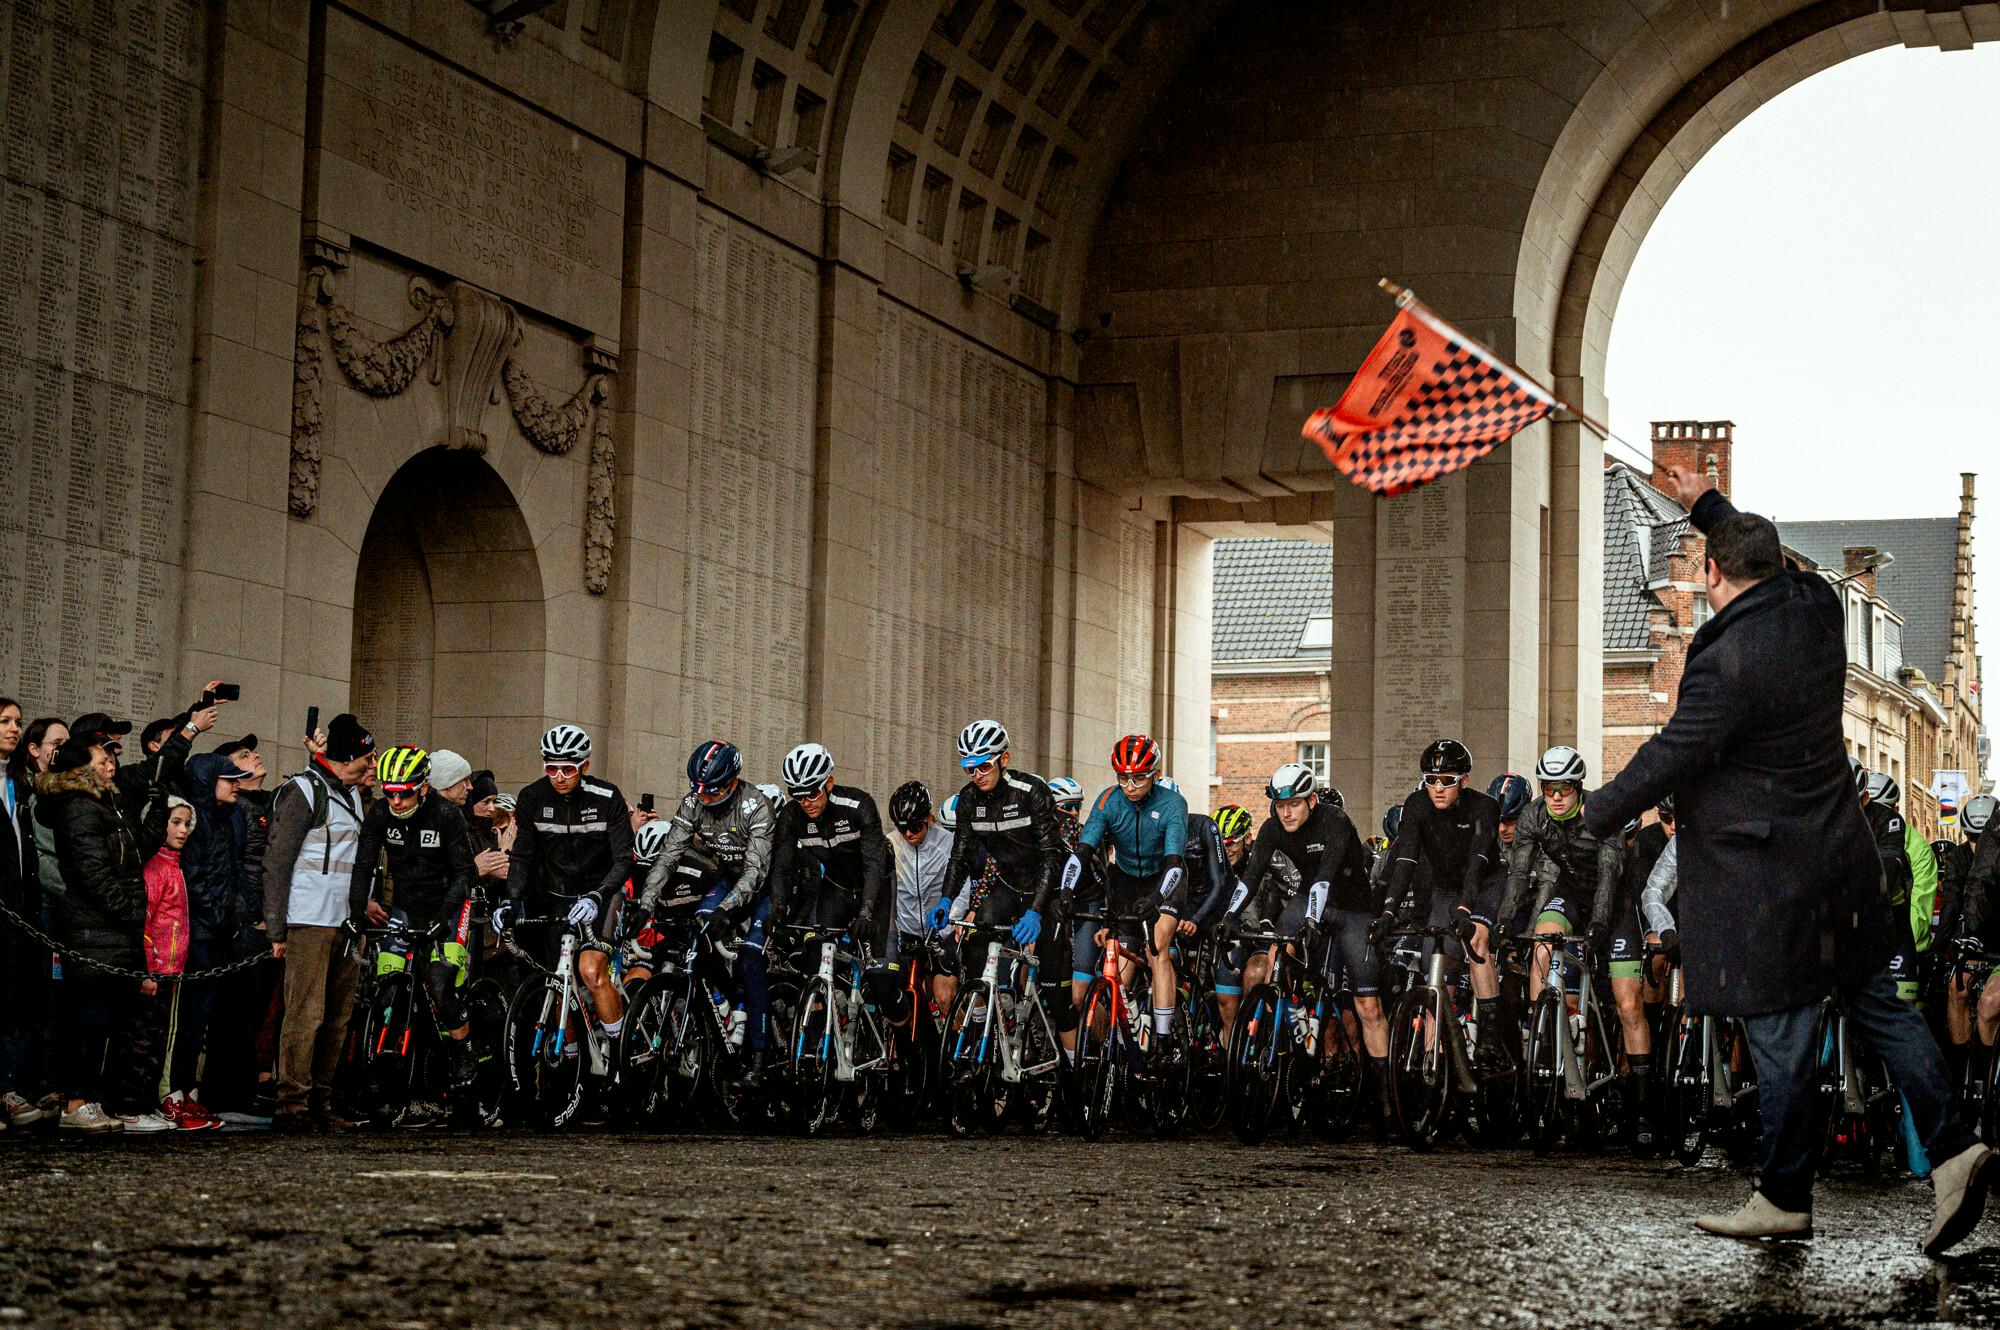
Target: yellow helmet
column 1233, row 821
column 402, row 768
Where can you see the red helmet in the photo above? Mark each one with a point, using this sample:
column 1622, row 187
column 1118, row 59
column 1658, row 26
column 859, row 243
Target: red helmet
column 1135, row 755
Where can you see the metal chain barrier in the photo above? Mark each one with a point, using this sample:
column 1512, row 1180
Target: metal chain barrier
column 126, row 971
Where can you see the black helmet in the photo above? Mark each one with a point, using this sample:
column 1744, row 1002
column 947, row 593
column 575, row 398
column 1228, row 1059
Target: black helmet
column 1446, row 757
column 1392, row 821
column 713, row 765
column 1512, row 792
column 1666, row 808
column 1332, row 796
column 910, row 805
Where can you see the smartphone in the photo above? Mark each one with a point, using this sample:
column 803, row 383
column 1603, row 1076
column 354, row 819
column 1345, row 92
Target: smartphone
column 229, row 692
column 646, row 802
column 312, row 721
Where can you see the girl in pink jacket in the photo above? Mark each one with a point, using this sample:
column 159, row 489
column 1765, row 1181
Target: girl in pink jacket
column 166, row 943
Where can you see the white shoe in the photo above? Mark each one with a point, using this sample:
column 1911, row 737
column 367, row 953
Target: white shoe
column 1759, row 1219
column 147, row 1122
column 1961, row 1183
column 19, row 1111
column 90, row 1118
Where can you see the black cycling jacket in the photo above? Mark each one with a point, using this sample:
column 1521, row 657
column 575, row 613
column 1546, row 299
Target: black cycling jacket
column 1326, row 848
column 1561, row 857
column 843, row 848
column 570, row 845
column 430, row 859
column 1460, row 845
column 1016, row 826
column 1207, row 882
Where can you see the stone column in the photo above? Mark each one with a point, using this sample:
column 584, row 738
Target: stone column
column 1575, row 632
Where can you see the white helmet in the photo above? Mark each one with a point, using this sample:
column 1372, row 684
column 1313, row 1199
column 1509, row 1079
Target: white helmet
column 981, row 742
column 1977, row 814
column 806, row 769
column 1066, row 792
column 771, row 793
column 1294, row 780
column 1883, row 789
column 647, row 840
column 947, row 813
column 1168, row 783
column 1561, row 765
column 566, row 743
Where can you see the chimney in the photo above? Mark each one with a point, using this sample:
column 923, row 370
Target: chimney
column 1853, row 559
column 1701, row 444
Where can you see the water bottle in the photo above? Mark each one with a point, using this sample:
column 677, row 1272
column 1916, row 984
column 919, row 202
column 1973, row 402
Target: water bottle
column 739, row 1023
column 721, row 1009
column 1301, row 1023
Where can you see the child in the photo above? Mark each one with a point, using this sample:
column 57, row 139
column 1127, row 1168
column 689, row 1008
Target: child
column 166, row 954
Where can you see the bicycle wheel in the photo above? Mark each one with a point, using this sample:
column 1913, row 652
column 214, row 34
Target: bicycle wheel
column 546, row 1076
column 1255, row 1074
column 1099, row 1061
column 1689, row 1089
column 479, row 1103
column 1546, row 1104
column 1335, row 1105
column 1495, row 1112
column 645, row 1083
column 816, row 1095
column 1419, row 1068
column 970, row 1064
column 388, row 1049
column 1601, row 1116
column 1207, row 1044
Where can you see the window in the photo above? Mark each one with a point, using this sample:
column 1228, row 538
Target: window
column 1892, row 647
column 1317, row 757
column 1317, row 634
column 1702, row 613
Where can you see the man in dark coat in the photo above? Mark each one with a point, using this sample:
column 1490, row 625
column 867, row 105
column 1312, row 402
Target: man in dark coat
column 1782, row 900
column 212, row 863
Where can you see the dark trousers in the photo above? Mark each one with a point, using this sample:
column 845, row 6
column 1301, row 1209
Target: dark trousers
column 101, row 1044
column 191, row 1022
column 1785, row 1045
column 238, row 1047
column 157, row 1035
column 24, row 1015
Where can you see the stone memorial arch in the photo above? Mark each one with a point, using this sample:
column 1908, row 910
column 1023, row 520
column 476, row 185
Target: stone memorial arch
column 843, row 369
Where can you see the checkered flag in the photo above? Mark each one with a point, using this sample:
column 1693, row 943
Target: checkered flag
column 1428, row 401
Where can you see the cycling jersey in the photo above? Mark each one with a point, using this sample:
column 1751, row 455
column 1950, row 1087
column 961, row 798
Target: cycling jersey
column 1459, row 844
column 1146, row 837
column 734, row 837
column 843, row 848
column 430, row 860
column 1954, row 868
column 1209, row 880
column 920, row 878
column 1015, row 824
column 1325, row 848
column 571, row 845
column 1979, row 882
column 1560, row 857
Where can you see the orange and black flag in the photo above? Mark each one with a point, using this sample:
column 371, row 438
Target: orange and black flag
column 1428, row 401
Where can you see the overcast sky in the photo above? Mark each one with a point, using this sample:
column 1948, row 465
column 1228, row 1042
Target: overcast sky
column 1828, row 277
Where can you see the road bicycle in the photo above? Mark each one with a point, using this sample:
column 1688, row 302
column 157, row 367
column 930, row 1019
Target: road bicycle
column 401, row 1051
column 912, row 1020
column 1000, row 1055
column 1857, row 1101
column 840, row 1053
column 1273, row 1044
column 1203, row 1034
column 1572, row 1064
column 556, row 1046
column 1431, row 1074
column 1121, row 1071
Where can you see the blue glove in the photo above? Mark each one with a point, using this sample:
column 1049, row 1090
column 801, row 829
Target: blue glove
column 584, row 911
column 1028, row 929
column 940, row 917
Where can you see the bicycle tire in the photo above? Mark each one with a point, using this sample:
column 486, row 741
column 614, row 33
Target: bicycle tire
column 481, row 1103
column 1207, row 1045
column 1494, row 1116
column 1339, row 1083
column 1545, row 1082
column 1255, row 1071
column 1689, row 1088
column 1420, row 1071
column 816, row 1094
column 1098, row 1060
column 386, row 1073
column 968, row 1066
column 547, row 1084
column 646, row 1084
column 1592, row 1123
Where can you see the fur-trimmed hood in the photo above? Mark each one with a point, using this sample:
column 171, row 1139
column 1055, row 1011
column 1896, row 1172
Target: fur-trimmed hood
column 77, row 780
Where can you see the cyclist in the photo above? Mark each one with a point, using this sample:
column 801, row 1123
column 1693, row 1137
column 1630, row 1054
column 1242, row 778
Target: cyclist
column 923, row 848
column 1974, row 867
column 1068, row 796
column 1317, row 839
column 1453, row 831
column 431, row 878
column 1010, row 816
column 1144, row 822
column 572, row 853
column 723, row 831
column 643, row 935
column 829, row 858
column 1911, row 871
column 1233, row 829
column 1576, row 878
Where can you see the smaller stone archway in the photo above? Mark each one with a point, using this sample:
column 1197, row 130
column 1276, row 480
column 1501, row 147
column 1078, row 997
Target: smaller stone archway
column 449, row 633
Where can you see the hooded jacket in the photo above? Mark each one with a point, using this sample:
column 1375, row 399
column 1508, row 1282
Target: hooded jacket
column 101, row 915
column 212, row 863
column 166, row 913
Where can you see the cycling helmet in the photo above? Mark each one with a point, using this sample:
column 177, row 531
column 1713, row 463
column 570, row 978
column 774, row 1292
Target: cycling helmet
column 401, row 769
column 948, row 813
column 504, row 802
column 1561, row 765
column 1883, row 789
column 1446, row 757
column 1333, row 797
column 911, row 804
column 1666, row 808
column 1066, row 792
column 646, row 842
column 1977, row 814
column 1512, row 792
column 1135, row 755
column 1392, row 822
column 566, row 743
column 772, row 794
column 1232, row 821
column 1168, row 783
column 1632, row 828
column 806, row 770
column 981, row 742
column 1860, row 774
column 1294, row 780
column 713, row 765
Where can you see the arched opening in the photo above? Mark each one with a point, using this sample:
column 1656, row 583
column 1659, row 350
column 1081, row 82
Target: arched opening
column 448, row 621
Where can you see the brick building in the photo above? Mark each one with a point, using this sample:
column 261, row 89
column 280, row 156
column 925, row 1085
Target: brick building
column 1913, row 668
column 1272, row 639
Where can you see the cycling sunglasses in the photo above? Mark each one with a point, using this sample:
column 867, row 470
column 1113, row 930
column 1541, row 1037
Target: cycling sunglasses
column 1135, row 777
column 563, row 769
column 1442, row 782
column 978, row 768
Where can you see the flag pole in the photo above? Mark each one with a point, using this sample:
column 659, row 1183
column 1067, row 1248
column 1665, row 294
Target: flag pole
column 1406, row 298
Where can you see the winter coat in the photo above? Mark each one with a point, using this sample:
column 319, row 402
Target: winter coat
column 21, row 892
column 212, row 863
column 102, row 913
column 166, row 913
column 1781, row 894
column 253, row 807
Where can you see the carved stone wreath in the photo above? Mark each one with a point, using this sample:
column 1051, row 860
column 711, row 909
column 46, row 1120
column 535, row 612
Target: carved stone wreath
column 481, row 349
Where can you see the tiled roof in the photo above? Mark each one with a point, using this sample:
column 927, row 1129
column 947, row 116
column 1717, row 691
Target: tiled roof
column 1265, row 590
column 1917, row 585
column 1642, row 530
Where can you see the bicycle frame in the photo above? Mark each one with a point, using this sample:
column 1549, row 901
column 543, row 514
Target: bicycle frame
column 852, row 1012
column 1569, row 1059
column 1012, row 1068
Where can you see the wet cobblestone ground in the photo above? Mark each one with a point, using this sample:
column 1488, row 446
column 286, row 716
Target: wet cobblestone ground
column 421, row 1230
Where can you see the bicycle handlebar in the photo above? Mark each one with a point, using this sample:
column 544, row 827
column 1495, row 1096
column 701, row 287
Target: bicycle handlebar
column 1437, row 934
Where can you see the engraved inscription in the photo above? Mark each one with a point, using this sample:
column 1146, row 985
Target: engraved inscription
column 1419, row 622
